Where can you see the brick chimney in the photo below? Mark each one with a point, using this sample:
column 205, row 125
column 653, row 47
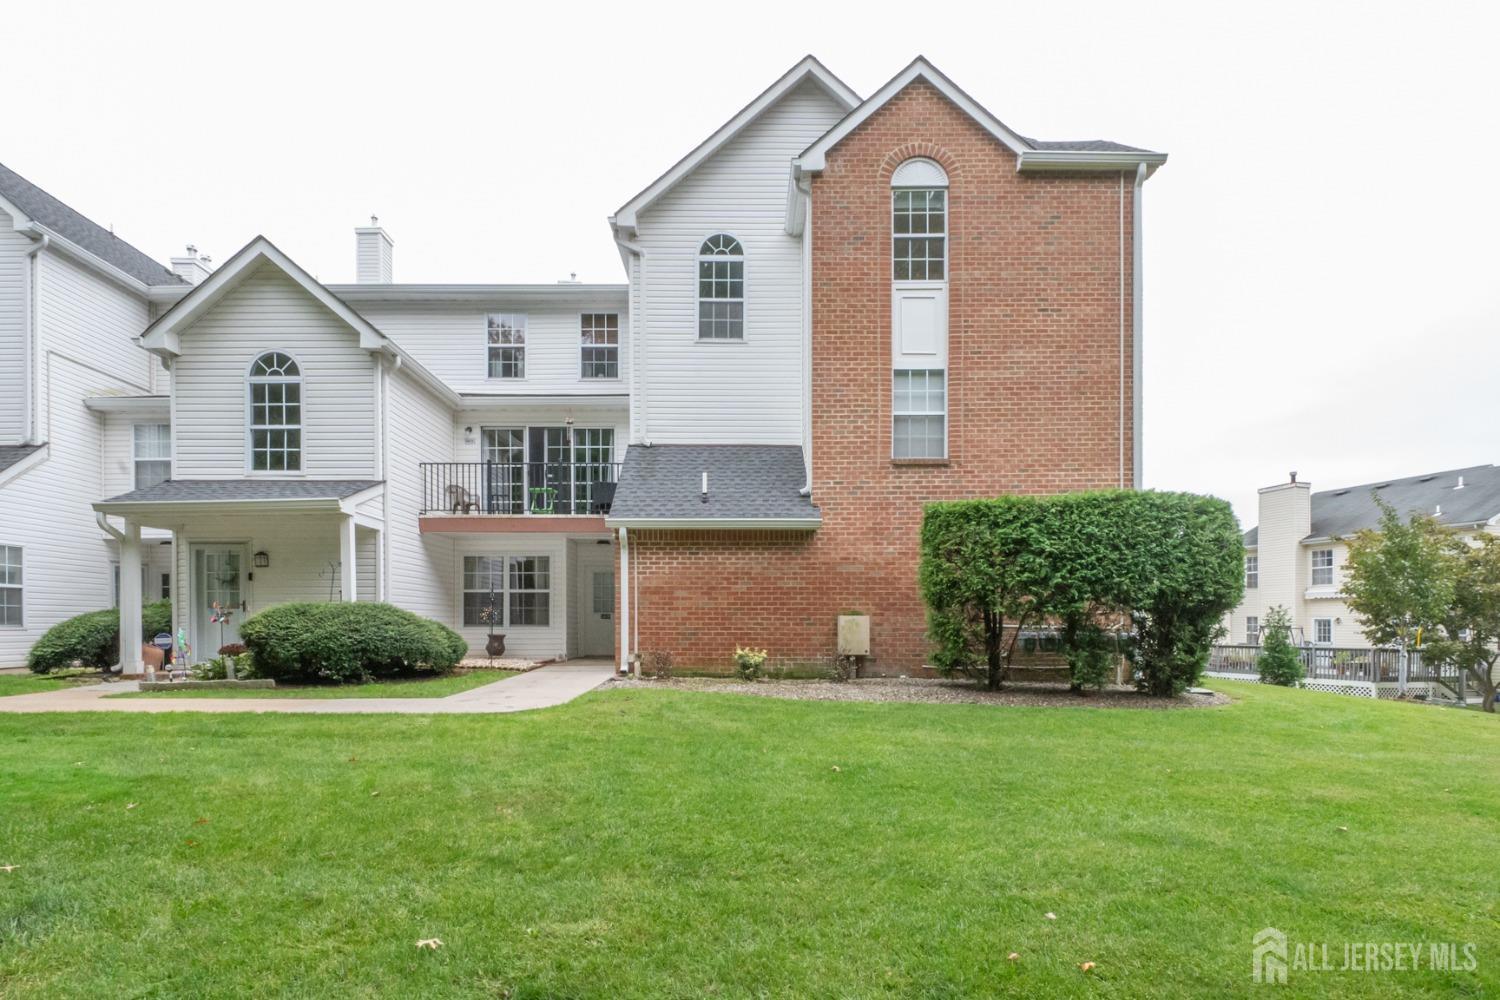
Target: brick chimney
column 373, row 257
column 192, row 267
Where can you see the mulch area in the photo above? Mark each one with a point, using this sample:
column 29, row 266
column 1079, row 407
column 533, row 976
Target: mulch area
column 930, row 691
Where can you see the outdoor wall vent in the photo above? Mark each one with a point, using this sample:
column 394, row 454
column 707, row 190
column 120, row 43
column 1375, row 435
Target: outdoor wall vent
column 705, row 487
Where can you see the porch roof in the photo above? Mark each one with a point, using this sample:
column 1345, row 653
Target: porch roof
column 749, row 486
column 201, row 495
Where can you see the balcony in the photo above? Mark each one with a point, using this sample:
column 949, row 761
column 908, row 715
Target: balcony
column 518, row 489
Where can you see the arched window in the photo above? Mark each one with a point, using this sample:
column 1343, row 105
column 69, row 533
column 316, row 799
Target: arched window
column 919, row 221
column 275, row 414
column 721, row 289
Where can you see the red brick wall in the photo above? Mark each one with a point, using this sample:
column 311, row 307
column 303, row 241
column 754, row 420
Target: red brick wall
column 1036, row 295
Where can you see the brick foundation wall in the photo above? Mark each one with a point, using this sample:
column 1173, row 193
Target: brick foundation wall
column 1038, row 399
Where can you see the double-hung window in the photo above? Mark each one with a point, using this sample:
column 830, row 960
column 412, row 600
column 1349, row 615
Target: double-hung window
column 1252, row 572
column 919, row 232
column 153, row 454
column 275, row 414
column 10, row 586
column 507, row 591
column 505, row 334
column 920, row 409
column 1252, row 630
column 721, row 289
column 1322, row 567
column 601, row 345
column 1323, row 631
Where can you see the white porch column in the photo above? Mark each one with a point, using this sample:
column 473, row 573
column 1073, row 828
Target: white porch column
column 130, row 599
column 348, row 584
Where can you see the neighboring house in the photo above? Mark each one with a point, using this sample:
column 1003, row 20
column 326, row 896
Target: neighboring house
column 836, row 310
column 1295, row 556
column 83, row 411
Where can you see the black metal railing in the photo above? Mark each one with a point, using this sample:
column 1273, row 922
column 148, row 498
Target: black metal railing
column 518, row 488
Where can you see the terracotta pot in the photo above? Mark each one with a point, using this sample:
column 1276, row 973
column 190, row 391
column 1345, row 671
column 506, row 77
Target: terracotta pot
column 496, row 645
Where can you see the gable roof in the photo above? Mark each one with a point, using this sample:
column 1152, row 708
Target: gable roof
column 1031, row 154
column 808, row 69
column 1343, row 511
column 749, row 485
column 39, row 207
column 162, row 337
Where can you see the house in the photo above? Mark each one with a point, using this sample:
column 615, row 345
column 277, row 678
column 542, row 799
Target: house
column 1295, row 556
column 835, row 310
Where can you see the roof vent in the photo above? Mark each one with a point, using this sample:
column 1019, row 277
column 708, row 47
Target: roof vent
column 705, row 487
column 1426, row 479
column 1340, row 493
column 1380, row 486
column 1460, row 483
column 1437, row 510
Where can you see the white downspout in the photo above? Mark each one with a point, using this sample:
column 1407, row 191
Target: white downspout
column 638, row 364
column 804, row 186
column 1120, row 394
column 624, row 600
column 32, row 335
column 1137, row 354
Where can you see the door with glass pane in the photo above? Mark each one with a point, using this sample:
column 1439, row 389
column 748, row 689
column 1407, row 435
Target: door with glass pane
column 549, row 470
column 504, row 455
column 593, row 453
column 218, row 592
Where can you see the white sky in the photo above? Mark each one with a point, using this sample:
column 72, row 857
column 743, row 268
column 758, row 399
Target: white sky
column 1322, row 274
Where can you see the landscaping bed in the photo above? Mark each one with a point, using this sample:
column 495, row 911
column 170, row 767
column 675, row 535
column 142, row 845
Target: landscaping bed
column 929, row 690
column 414, row 687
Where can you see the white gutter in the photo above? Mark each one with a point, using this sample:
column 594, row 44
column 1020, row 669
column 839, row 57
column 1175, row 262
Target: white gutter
column 725, row 523
column 638, row 322
column 32, row 335
column 109, row 529
column 1086, row 159
column 1137, row 346
column 624, row 600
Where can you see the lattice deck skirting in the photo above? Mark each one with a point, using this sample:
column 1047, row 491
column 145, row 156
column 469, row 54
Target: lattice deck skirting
column 1359, row 689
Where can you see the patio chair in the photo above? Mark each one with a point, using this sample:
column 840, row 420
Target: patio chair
column 461, row 501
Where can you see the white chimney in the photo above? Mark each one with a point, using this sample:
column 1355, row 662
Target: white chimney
column 373, row 258
column 192, row 267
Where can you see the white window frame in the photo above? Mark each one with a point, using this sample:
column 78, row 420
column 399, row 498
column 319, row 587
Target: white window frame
column 714, row 258
column 585, row 346
column 13, row 558
column 503, row 593
column 518, row 322
column 1315, row 569
column 897, row 414
column 137, row 459
column 251, row 381
column 1252, row 630
column 920, row 174
column 1252, row 571
column 1316, row 627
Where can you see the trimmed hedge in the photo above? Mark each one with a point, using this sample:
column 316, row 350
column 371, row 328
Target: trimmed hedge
column 1168, row 563
column 93, row 638
column 348, row 643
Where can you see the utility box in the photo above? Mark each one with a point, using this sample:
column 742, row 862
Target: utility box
column 854, row 635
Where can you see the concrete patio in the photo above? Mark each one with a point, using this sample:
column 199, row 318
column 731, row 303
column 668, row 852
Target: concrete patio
column 544, row 687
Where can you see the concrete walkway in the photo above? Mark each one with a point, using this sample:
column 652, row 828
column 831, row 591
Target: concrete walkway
column 541, row 688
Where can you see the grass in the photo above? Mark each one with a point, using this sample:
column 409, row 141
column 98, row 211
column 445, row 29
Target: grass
column 654, row 843
column 425, row 687
column 35, row 683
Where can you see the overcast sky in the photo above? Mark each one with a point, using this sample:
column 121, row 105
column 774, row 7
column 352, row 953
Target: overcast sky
column 1322, row 272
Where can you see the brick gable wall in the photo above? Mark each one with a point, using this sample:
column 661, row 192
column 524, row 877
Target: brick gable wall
column 1036, row 395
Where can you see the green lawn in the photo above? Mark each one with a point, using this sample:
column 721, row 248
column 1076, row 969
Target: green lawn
column 429, row 687
column 33, row 684
column 654, row 843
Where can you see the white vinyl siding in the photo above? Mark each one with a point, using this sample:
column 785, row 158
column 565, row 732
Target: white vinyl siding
column 13, row 264
column 270, row 312
column 539, row 641
column 729, row 391
column 419, row 428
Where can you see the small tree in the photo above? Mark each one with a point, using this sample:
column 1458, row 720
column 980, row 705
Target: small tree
column 1279, row 661
column 1469, row 638
column 1400, row 577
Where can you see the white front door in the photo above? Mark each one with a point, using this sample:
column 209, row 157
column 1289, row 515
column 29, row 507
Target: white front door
column 595, row 594
column 218, row 592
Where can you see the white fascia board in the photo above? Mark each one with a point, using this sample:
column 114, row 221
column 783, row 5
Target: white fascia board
column 144, row 406
column 349, row 503
column 718, row 523
column 576, row 400
column 815, row 157
column 29, row 462
column 560, row 294
column 97, row 264
column 164, row 509
column 809, row 68
column 1038, row 160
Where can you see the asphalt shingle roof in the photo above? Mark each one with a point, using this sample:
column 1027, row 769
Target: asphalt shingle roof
column 1340, row 512
column 745, row 482
column 10, row 454
column 208, row 490
column 81, row 230
column 1085, row 145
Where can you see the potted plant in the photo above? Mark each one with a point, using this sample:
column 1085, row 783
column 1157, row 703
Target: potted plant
column 491, row 615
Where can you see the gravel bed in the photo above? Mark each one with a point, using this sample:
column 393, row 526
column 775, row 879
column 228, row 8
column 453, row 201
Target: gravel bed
column 929, row 690
column 498, row 663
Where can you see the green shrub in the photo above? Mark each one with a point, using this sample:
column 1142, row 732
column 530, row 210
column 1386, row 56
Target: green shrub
column 748, row 662
column 92, row 639
column 217, row 669
column 1091, row 657
column 348, row 643
column 1279, row 661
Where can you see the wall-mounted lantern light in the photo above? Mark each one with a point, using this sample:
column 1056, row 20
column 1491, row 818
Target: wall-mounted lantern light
column 262, row 560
